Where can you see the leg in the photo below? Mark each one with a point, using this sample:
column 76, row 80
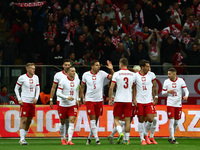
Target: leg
column 171, row 128
column 62, row 130
column 141, row 129
column 153, row 129
column 93, row 120
column 23, row 122
column 71, row 129
column 127, row 129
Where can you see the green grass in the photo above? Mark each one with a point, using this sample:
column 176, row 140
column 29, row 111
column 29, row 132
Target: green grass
column 54, row 144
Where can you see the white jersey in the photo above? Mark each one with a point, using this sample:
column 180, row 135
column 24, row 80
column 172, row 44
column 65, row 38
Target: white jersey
column 94, row 84
column 174, row 100
column 68, row 88
column 29, row 88
column 144, row 84
column 124, row 80
column 57, row 78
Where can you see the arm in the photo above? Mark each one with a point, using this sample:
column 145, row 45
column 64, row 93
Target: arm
column 53, row 89
column 134, row 95
column 60, row 94
column 17, row 94
column 110, row 66
column 155, row 92
column 81, row 92
column 111, row 93
column 186, row 93
column 37, row 91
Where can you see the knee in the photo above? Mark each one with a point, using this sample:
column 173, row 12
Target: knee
column 23, row 120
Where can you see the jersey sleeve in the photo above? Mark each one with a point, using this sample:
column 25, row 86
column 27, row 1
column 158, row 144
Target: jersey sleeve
column 164, row 90
column 83, row 78
column 55, row 79
column 153, row 76
column 183, row 84
column 60, row 90
column 105, row 74
column 20, row 81
column 114, row 78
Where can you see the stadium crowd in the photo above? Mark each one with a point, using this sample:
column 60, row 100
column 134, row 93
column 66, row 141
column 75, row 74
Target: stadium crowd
column 164, row 32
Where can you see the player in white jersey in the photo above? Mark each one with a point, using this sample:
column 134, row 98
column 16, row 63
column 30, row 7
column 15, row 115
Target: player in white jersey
column 146, row 97
column 30, row 90
column 173, row 88
column 57, row 78
column 68, row 92
column 123, row 98
column 94, row 80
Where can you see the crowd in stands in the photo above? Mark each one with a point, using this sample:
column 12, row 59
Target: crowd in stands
column 165, row 32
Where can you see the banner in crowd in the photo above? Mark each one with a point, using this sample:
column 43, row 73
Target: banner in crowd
column 46, row 122
column 31, row 4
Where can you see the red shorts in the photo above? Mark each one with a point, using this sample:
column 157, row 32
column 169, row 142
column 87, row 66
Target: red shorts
column 174, row 112
column 134, row 110
column 27, row 110
column 121, row 109
column 58, row 107
column 144, row 109
column 94, row 108
column 65, row 112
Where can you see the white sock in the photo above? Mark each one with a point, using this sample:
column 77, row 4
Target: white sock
column 90, row 135
column 62, row 132
column 66, row 127
column 175, row 125
column 147, row 128
column 119, row 129
column 123, row 131
column 70, row 131
column 153, row 127
column 26, row 133
column 171, row 128
column 122, row 123
column 127, row 136
column 113, row 132
column 94, row 129
column 22, row 134
column 141, row 130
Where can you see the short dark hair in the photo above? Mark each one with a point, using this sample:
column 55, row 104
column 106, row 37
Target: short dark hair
column 172, row 70
column 143, row 63
column 124, row 61
column 3, row 86
column 93, row 62
column 70, row 68
column 67, row 60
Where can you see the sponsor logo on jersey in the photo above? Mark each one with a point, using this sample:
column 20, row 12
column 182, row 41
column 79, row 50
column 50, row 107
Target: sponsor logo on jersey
column 93, row 77
column 143, row 79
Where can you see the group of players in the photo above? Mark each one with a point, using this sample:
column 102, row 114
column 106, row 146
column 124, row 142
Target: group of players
column 136, row 94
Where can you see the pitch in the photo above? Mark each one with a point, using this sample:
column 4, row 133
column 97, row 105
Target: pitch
column 55, row 144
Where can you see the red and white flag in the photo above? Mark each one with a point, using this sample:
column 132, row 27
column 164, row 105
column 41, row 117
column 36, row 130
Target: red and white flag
column 32, row 4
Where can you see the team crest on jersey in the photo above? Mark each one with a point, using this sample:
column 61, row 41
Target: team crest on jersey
column 93, row 77
column 143, row 79
column 72, row 84
column 173, row 85
column 31, row 81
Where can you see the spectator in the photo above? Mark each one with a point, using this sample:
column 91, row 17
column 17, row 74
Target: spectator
column 139, row 54
column 138, row 12
column 193, row 59
column 108, row 13
column 5, row 98
column 108, row 48
column 125, row 26
column 126, row 12
column 115, row 38
column 168, row 49
column 190, row 25
column 196, row 8
column 115, row 27
column 127, row 44
column 80, row 47
column 154, row 45
column 56, row 57
column 49, row 33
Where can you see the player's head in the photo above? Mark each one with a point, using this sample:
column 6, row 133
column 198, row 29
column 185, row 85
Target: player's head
column 30, row 68
column 66, row 64
column 136, row 68
column 71, row 71
column 145, row 66
column 95, row 65
column 123, row 62
column 172, row 73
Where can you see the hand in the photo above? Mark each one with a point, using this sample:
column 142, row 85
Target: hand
column 110, row 102
column 78, row 103
column 51, row 104
column 109, row 65
column 70, row 98
column 20, row 102
column 155, row 101
column 185, row 98
column 83, row 100
column 135, row 103
column 34, row 101
column 171, row 91
column 155, row 30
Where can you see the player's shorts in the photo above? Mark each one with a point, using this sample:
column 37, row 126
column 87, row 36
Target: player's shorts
column 121, row 108
column 27, row 110
column 134, row 111
column 66, row 112
column 58, row 107
column 94, row 108
column 174, row 112
column 144, row 109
